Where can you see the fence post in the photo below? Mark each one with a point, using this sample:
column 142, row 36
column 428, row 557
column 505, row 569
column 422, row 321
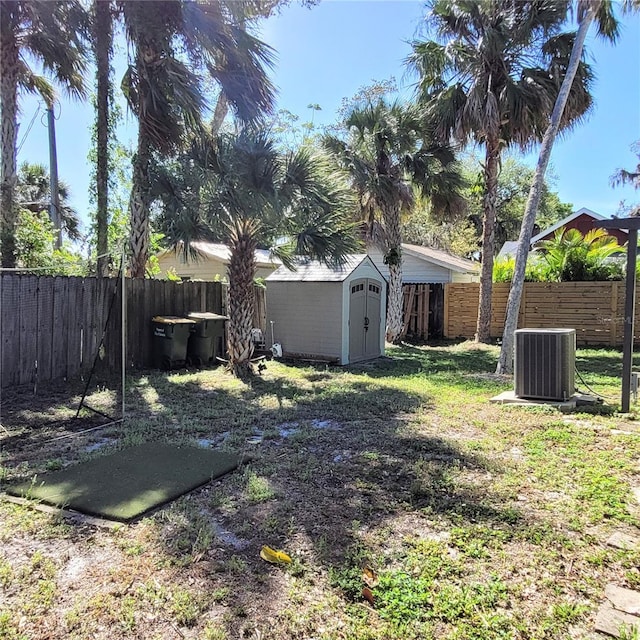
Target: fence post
column 613, row 332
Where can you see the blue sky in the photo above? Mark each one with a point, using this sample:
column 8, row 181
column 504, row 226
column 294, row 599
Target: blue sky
column 326, row 53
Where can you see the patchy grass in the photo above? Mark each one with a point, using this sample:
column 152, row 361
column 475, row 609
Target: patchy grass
column 481, row 521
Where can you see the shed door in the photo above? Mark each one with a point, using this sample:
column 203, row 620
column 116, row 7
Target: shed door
column 364, row 320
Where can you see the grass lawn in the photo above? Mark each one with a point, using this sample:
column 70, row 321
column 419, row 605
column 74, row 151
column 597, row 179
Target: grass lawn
column 478, row 520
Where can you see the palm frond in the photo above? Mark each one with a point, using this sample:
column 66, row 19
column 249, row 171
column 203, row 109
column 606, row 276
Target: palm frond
column 233, row 57
column 34, row 83
column 57, row 36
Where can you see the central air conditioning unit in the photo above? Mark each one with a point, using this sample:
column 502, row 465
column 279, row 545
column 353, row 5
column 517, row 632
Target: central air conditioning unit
column 545, row 362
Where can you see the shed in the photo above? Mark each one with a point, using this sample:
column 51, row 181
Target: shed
column 335, row 314
column 425, row 264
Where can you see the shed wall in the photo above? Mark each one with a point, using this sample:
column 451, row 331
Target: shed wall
column 307, row 317
column 414, row 270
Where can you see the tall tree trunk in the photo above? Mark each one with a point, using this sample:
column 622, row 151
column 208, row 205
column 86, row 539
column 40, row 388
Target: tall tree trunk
column 393, row 259
column 103, row 35
column 505, row 361
column 241, row 302
column 492, row 159
column 139, row 210
column 219, row 114
column 8, row 167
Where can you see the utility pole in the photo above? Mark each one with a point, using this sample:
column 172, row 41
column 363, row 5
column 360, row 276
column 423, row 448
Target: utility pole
column 54, row 206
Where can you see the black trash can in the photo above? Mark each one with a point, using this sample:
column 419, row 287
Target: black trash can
column 170, row 339
column 205, row 343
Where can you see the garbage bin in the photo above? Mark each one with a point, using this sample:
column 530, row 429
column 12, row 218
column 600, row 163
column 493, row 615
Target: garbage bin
column 205, row 343
column 170, row 338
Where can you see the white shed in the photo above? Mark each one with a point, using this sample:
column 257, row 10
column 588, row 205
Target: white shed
column 337, row 314
column 424, row 264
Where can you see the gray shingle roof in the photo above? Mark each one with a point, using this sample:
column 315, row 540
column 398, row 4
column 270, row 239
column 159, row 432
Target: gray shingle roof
column 314, row 271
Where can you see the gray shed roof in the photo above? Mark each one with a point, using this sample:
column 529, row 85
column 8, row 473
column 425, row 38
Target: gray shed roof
column 442, row 258
column 314, row 271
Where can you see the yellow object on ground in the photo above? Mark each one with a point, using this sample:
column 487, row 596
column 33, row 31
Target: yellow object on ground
column 273, row 556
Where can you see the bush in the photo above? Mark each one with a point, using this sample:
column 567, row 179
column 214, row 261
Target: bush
column 569, row 257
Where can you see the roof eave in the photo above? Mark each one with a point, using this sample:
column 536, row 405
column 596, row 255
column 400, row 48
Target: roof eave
column 441, row 263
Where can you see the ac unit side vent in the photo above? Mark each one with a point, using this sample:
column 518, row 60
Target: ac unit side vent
column 545, row 361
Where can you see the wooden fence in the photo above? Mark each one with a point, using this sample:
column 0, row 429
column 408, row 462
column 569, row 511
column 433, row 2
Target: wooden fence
column 594, row 309
column 51, row 327
column 423, row 311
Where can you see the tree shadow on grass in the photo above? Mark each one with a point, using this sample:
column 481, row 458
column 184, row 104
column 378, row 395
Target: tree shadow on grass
column 410, row 360
column 603, row 362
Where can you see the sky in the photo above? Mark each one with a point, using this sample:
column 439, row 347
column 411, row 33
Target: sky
column 327, row 53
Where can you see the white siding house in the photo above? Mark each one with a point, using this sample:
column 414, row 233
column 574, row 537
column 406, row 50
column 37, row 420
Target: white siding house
column 331, row 314
column 211, row 262
column 421, row 265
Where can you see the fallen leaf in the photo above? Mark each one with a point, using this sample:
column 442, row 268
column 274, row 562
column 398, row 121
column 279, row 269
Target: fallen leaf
column 273, row 556
column 367, row 594
column 369, row 576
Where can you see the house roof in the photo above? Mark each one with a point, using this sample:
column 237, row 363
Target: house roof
column 509, row 248
column 314, row 271
column 222, row 253
column 441, row 258
column 566, row 221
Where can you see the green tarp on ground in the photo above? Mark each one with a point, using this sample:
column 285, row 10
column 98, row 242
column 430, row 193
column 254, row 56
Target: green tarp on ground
column 125, row 484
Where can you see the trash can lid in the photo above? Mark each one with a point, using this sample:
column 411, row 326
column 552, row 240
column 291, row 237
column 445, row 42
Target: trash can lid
column 172, row 320
column 206, row 315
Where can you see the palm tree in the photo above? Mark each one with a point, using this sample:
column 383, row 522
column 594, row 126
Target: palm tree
column 259, row 197
column 52, row 34
column 102, row 50
column 33, row 193
column 492, row 77
column 174, row 44
column 588, row 11
column 572, row 257
column 386, row 153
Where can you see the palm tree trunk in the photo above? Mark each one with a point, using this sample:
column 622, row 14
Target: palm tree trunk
column 393, row 238
column 394, row 304
column 219, row 114
column 492, row 158
column 241, row 302
column 9, row 175
column 139, row 210
column 102, row 51
column 505, row 361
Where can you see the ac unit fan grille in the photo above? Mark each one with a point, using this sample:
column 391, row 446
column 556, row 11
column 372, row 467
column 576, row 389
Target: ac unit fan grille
column 545, row 363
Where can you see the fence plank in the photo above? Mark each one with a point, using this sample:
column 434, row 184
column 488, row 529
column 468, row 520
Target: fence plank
column 45, row 315
column 10, row 324
column 594, row 309
column 28, row 343
column 410, row 292
column 60, row 301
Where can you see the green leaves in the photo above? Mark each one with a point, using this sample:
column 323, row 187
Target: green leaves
column 572, row 256
column 496, row 67
column 390, row 150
